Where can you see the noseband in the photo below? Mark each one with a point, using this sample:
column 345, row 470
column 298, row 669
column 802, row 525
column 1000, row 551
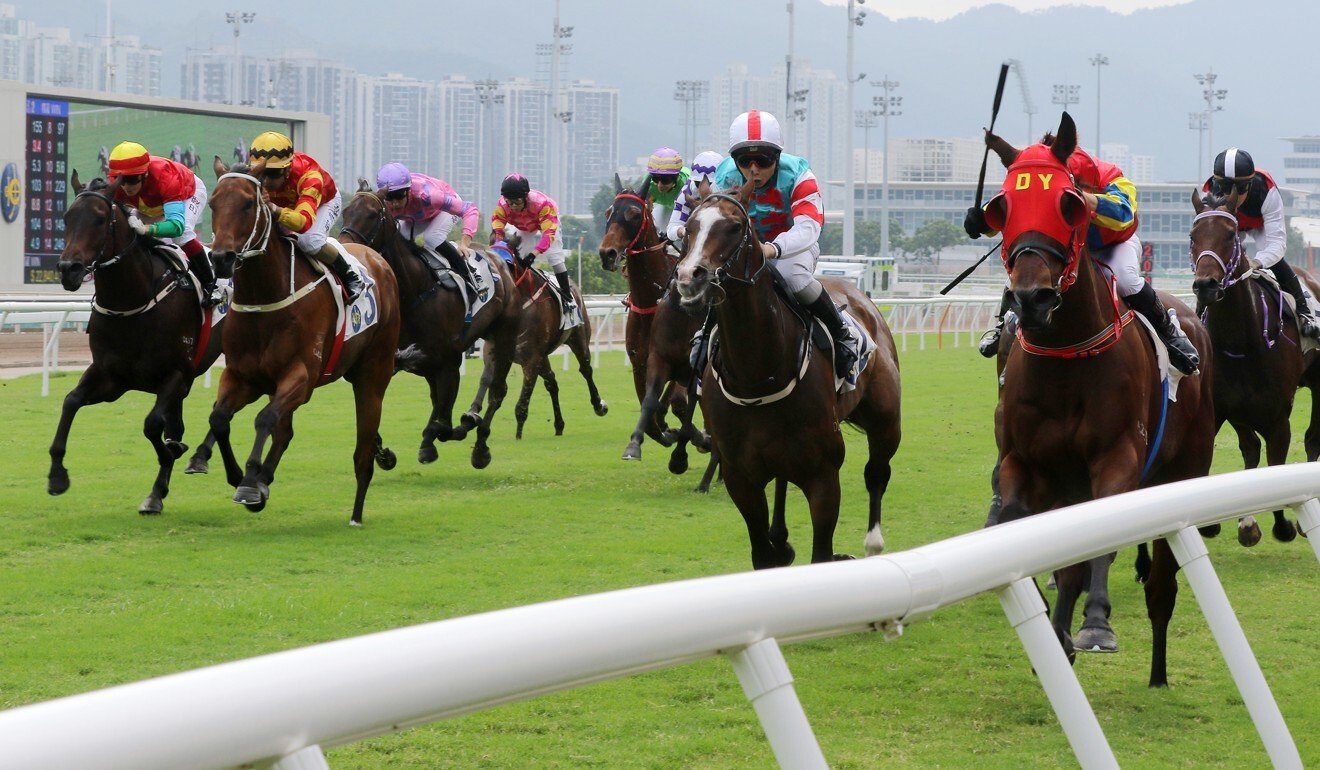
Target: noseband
column 1229, row 268
column 1067, row 277
column 255, row 245
column 381, row 216
column 112, row 231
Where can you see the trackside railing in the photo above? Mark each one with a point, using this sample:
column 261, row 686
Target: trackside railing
column 53, row 316
column 282, row 710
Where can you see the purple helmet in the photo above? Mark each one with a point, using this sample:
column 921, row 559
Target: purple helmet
column 393, row 176
column 665, row 161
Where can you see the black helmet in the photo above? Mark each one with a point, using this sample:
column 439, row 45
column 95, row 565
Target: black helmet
column 515, row 186
column 1234, row 164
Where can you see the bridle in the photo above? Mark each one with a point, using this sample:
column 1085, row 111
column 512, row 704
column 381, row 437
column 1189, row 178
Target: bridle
column 382, row 216
column 259, row 237
column 738, row 252
column 1230, row 267
column 631, row 249
column 111, row 234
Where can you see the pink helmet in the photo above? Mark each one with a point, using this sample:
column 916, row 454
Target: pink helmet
column 393, row 176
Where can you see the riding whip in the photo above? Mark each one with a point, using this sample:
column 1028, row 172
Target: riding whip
column 969, row 270
column 994, row 114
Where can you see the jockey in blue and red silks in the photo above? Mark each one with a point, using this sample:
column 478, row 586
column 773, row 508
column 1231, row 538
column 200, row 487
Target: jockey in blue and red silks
column 428, row 207
column 787, row 212
column 1111, row 239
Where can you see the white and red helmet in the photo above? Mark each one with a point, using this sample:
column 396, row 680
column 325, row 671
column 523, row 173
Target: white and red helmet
column 755, row 128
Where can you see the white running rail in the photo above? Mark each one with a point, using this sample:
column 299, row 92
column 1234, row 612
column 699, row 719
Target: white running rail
column 283, row 709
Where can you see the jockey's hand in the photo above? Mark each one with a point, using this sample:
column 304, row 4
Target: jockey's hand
column 1092, row 202
column 974, row 223
column 1256, row 264
column 464, row 246
column 682, row 232
column 265, row 195
column 136, row 223
column 768, row 251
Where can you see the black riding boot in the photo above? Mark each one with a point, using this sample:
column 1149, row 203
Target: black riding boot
column 201, row 267
column 1181, row 350
column 990, row 340
column 456, row 262
column 566, row 292
column 1289, row 282
column 845, row 355
column 352, row 281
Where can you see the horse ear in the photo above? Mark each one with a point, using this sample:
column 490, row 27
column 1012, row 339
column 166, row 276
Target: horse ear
column 996, row 212
column 363, row 186
column 220, row 168
column 745, row 193
column 1198, row 202
column 1065, row 141
column 75, row 182
column 257, row 168
column 1073, row 208
column 645, row 192
column 1007, row 153
column 618, row 183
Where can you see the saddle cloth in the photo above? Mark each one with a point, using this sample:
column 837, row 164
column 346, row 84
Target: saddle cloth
column 474, row 298
column 1167, row 370
column 363, row 313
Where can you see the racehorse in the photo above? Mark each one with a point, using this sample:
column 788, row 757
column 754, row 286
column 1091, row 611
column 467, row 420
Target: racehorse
column 240, row 153
column 146, row 331
column 284, row 338
column 434, row 334
column 771, row 404
column 658, row 334
column 540, row 335
column 103, row 158
column 191, row 158
column 1082, row 413
column 1258, row 359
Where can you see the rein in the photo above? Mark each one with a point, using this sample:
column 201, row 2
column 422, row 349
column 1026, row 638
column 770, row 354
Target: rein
column 257, row 244
column 1232, row 279
column 382, row 216
column 98, row 264
column 631, row 250
column 1099, row 343
column 739, row 251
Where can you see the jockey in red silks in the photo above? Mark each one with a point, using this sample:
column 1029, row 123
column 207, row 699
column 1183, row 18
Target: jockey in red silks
column 428, row 207
column 172, row 197
column 532, row 212
column 1111, row 239
column 1260, row 214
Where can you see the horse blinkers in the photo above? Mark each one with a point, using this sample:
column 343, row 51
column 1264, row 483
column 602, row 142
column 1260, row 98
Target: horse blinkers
column 73, row 273
column 615, row 215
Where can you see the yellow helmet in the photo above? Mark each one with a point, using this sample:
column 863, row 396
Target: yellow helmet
column 129, row 158
column 274, row 148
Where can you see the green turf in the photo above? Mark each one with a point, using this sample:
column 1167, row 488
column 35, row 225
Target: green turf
column 94, row 594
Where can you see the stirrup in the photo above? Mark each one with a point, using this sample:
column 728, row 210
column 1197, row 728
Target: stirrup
column 1184, row 361
column 1309, row 326
column 989, row 346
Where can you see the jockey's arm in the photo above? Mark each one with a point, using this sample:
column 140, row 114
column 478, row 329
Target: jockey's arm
column 1115, row 206
column 172, row 224
column 548, row 219
column 300, row 217
column 807, row 217
column 498, row 219
column 1272, row 238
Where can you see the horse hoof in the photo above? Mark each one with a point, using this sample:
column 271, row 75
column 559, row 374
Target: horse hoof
column 786, row 555
column 427, row 454
column 386, row 459
column 843, row 557
column 176, row 448
column 151, row 506
column 1284, row 531
column 1096, row 640
column 252, row 498
column 702, row 489
column 1249, row 536
column 559, row 429
column 678, row 463
column 633, row 452
column 517, row 435
column 57, row 485
column 354, row 523
column 480, row 458
column 468, row 421
column 197, row 465
column 602, row 409
column 1210, row 531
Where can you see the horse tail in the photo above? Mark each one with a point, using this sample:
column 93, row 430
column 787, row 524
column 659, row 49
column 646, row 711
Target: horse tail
column 411, row 359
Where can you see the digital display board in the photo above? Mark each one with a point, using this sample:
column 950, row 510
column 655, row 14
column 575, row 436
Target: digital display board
column 47, row 174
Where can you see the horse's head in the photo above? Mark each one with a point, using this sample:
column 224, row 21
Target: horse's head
column 1218, row 259
column 625, row 221
column 94, row 231
column 1043, row 218
column 241, row 221
column 367, row 218
column 722, row 245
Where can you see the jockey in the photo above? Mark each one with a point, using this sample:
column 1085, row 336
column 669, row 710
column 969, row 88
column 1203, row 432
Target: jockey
column 531, row 211
column 426, row 206
column 173, row 197
column 305, row 203
column 786, row 211
column 1260, row 214
column 668, row 175
column 1111, row 238
column 703, row 172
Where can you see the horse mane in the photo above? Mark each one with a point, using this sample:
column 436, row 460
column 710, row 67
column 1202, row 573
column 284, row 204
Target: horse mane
column 1048, row 139
column 97, row 184
column 241, row 168
column 1214, row 200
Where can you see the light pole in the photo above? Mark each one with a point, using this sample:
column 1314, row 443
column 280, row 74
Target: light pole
column 1065, row 94
column 887, row 105
column 1197, row 122
column 788, row 81
column 1211, row 96
column 690, row 92
column 855, row 19
column 488, row 93
column 558, row 115
column 237, row 19
column 866, row 120
column 1098, row 61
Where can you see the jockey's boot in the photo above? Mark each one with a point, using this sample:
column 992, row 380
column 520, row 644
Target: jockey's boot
column 353, row 283
column 566, row 292
column 456, row 262
column 845, row 343
column 989, row 346
column 200, row 262
column 1182, row 353
column 1289, row 282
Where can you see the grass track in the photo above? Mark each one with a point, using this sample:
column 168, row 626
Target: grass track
column 91, row 594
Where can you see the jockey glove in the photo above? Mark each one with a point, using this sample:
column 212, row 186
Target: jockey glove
column 974, row 223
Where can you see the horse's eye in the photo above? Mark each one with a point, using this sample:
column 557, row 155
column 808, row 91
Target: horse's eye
column 100, row 221
column 249, row 205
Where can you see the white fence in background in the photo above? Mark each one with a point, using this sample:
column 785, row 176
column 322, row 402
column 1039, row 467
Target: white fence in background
column 287, row 707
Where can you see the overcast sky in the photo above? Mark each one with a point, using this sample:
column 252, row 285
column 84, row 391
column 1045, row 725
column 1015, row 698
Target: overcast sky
column 943, row 9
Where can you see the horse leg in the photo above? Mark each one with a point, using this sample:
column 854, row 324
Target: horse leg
column 823, row 499
column 1312, row 437
column 580, row 344
column 1096, row 635
column 1068, row 581
column 882, row 443
column 749, row 497
column 273, row 421
column 1161, row 594
column 497, row 371
column 200, row 461
column 711, row 468
column 1249, row 445
column 646, row 423
column 1276, row 453
column 521, row 409
column 368, row 393
column 163, row 427
column 552, row 387
column 779, row 526
column 441, row 427
column 996, row 501
column 233, row 395
column 93, row 387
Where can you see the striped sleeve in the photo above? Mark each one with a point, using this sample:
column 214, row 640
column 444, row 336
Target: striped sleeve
column 311, row 191
column 452, row 204
column 548, row 219
column 1116, row 205
column 808, row 216
column 681, row 212
column 498, row 219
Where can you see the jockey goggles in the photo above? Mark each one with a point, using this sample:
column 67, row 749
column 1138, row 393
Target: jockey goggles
column 128, row 179
column 1224, row 185
column 397, row 195
column 274, row 173
column 761, row 158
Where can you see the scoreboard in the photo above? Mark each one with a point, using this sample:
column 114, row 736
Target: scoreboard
column 43, row 214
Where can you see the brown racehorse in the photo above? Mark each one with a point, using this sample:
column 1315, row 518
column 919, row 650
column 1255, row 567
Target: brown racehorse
column 1082, row 413
column 659, row 333
column 784, row 424
column 144, row 332
column 540, row 336
column 434, row 335
column 283, row 334
column 1258, row 360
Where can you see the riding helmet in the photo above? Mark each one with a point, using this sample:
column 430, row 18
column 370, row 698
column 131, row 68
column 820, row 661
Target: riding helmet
column 274, row 148
column 515, row 186
column 129, row 159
